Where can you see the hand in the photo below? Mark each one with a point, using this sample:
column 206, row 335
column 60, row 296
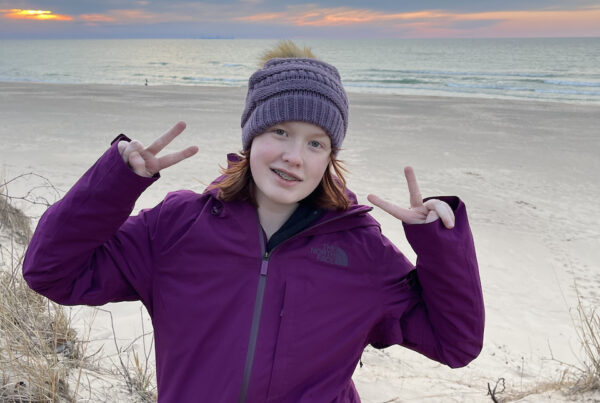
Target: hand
column 419, row 212
column 143, row 161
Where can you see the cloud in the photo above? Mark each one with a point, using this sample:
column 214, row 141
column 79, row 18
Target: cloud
column 313, row 16
column 262, row 18
column 177, row 13
column 438, row 22
column 19, row 14
column 95, row 18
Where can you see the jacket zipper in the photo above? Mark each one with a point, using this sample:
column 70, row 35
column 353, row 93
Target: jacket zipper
column 258, row 303
column 256, row 315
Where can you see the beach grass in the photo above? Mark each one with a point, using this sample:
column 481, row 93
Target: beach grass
column 38, row 347
column 42, row 357
column 588, row 330
column 580, row 382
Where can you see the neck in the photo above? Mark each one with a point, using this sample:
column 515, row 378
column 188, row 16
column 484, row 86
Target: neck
column 271, row 219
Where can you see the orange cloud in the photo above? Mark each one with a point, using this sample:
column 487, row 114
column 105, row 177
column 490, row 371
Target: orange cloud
column 95, row 18
column 439, row 22
column 125, row 17
column 113, row 16
column 516, row 23
column 18, row 14
column 337, row 16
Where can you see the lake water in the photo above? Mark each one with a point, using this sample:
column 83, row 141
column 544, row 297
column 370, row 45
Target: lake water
column 559, row 69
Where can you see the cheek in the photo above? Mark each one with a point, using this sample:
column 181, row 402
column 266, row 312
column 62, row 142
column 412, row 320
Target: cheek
column 253, row 163
column 257, row 157
column 318, row 169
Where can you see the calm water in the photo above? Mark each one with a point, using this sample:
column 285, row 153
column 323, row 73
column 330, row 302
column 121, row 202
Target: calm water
column 565, row 69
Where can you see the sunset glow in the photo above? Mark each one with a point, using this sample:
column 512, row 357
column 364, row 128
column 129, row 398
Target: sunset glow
column 19, row 14
column 429, row 23
column 347, row 16
column 96, row 18
column 258, row 18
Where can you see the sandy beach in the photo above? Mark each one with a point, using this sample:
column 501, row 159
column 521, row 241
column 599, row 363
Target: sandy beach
column 528, row 171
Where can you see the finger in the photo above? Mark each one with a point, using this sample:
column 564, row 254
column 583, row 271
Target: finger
column 443, row 210
column 162, row 141
column 432, row 216
column 132, row 146
column 174, row 158
column 121, row 146
column 405, row 215
column 138, row 164
column 413, row 188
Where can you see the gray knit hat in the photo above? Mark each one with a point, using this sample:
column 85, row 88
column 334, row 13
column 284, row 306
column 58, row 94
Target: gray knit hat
column 295, row 89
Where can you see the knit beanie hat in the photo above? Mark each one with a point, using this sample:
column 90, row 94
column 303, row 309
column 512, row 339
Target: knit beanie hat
column 295, row 89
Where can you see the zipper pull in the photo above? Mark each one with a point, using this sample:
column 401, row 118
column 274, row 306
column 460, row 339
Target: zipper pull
column 264, row 267
column 266, row 256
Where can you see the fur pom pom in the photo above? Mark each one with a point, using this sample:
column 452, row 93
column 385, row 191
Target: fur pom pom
column 286, row 49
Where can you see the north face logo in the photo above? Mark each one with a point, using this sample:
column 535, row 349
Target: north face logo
column 331, row 254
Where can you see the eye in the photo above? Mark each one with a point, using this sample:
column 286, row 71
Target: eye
column 315, row 144
column 279, row 132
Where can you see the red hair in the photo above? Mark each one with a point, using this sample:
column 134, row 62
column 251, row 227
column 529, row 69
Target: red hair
column 239, row 185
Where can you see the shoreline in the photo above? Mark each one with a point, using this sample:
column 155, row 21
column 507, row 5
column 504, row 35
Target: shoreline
column 351, row 91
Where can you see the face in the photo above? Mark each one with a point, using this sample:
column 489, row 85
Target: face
column 288, row 162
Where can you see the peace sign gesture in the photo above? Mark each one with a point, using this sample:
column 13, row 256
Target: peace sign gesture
column 144, row 162
column 419, row 212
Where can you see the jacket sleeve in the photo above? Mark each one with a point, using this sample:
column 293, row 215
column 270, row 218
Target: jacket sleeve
column 436, row 308
column 86, row 249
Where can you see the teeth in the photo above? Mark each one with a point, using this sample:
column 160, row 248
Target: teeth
column 285, row 176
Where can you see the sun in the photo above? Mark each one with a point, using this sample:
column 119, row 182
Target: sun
column 18, row 14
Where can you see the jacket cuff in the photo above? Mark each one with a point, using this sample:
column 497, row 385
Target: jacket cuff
column 429, row 236
column 119, row 138
column 129, row 183
column 114, row 145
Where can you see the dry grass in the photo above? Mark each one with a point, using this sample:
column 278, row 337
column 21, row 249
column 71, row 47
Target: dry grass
column 575, row 382
column 135, row 371
column 588, row 331
column 563, row 383
column 42, row 359
column 13, row 221
column 37, row 345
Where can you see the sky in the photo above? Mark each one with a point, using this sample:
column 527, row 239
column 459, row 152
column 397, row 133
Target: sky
column 289, row 19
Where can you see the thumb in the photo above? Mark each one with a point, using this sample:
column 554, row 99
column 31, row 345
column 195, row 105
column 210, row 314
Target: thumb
column 138, row 164
column 121, row 146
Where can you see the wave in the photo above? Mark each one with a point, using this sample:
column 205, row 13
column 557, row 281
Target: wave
column 159, row 63
column 489, row 87
column 214, row 80
column 461, row 73
column 386, row 81
column 374, row 84
column 568, row 92
column 573, row 83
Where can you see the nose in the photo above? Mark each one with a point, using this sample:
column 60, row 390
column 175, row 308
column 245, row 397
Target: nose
column 293, row 153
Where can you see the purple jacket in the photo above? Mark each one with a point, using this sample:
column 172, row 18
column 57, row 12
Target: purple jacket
column 232, row 323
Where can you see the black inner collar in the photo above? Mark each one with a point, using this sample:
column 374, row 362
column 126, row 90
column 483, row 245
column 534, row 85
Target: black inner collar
column 302, row 218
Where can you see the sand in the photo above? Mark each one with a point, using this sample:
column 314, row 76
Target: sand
column 529, row 173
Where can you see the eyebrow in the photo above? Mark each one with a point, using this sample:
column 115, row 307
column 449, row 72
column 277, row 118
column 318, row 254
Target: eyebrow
column 320, row 134
column 284, row 125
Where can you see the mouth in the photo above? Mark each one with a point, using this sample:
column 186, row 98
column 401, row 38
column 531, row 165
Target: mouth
column 285, row 175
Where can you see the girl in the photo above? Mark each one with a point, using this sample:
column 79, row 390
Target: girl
column 269, row 285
